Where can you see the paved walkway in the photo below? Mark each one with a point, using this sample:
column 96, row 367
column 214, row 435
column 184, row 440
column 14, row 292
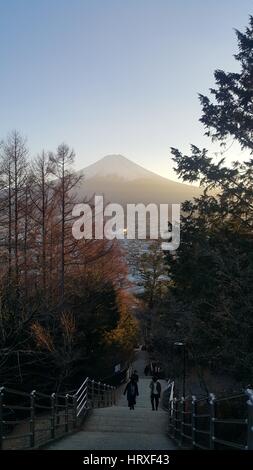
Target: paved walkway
column 118, row 428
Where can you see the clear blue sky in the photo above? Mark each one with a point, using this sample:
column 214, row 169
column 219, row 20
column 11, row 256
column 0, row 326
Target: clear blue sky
column 113, row 76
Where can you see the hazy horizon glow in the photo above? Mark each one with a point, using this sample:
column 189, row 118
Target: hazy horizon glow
column 113, row 77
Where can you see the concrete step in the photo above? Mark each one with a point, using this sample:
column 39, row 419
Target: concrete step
column 113, row 441
column 121, row 419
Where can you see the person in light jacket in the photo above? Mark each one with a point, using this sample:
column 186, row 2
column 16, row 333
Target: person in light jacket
column 132, row 392
column 156, row 389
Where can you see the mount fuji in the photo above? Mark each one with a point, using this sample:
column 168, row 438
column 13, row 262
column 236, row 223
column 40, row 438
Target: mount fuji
column 120, row 180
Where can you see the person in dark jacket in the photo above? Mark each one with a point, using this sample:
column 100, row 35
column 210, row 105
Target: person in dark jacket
column 156, row 389
column 132, row 392
column 135, row 376
column 146, row 370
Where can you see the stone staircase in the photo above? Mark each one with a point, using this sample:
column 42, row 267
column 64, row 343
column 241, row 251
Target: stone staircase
column 118, row 428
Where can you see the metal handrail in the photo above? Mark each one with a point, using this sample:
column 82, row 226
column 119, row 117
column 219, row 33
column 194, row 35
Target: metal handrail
column 82, row 407
column 230, row 444
column 52, row 415
column 231, row 421
column 81, row 387
column 180, row 409
column 80, row 396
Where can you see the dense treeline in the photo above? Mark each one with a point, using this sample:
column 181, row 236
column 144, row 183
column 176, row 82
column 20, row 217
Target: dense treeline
column 210, row 300
column 61, row 308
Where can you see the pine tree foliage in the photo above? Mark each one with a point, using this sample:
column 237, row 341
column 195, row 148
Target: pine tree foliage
column 210, row 302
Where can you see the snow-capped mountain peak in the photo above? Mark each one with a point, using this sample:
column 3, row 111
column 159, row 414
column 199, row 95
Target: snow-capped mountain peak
column 117, row 166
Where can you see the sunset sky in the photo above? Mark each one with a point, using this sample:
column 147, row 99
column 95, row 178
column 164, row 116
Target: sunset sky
column 113, row 76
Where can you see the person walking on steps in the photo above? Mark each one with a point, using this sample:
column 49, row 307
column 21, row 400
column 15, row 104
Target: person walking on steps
column 156, row 389
column 146, row 370
column 132, row 392
column 135, row 376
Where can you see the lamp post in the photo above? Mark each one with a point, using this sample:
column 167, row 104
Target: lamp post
column 182, row 345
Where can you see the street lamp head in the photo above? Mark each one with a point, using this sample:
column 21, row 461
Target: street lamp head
column 178, row 343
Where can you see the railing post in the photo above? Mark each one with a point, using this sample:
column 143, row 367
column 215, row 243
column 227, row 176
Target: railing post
column 1, row 417
column 99, row 397
column 74, row 411
column 194, row 412
column 250, row 419
column 111, row 395
column 175, row 419
column 102, row 393
column 57, row 410
column 108, row 395
column 52, row 415
column 66, row 413
column 182, row 403
column 32, row 418
column 212, row 419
